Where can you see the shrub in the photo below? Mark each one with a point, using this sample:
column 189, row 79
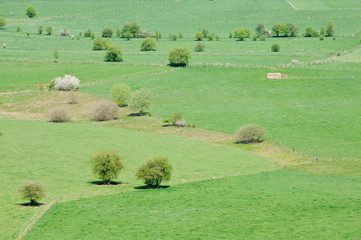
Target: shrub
column 144, row 34
column 254, row 37
column 56, row 56
column 217, row 37
column 210, row 36
column 205, row 32
column 131, row 28
column 127, row 35
column 310, row 32
column 199, row 47
column 250, row 133
column 107, row 165
column 330, row 30
column 322, row 37
column 173, row 37
column 49, row 30
column 73, row 97
column 242, row 33
column 120, row 94
column 179, row 56
column 176, row 117
column 113, row 54
column 66, row 83
column 2, row 22
column 18, row 28
column 141, row 100
column 158, row 35
column 40, row 29
column 199, row 36
column 230, row 35
column 293, row 30
column 180, row 123
column 31, row 12
column 33, row 192
column 262, row 30
column 283, row 30
column 107, row 33
column 118, row 33
column 154, row 171
column 148, row 44
column 59, row 115
column 180, row 35
column 275, row 47
column 92, row 35
column 103, row 111
column 262, row 38
column 322, row 31
column 64, row 32
column 87, row 33
column 100, row 44
column 28, row 34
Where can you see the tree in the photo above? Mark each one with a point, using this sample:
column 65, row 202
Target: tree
column 154, row 171
column 205, row 32
column 158, row 35
column 107, row 165
column 242, row 33
column 113, row 54
column 199, row 36
column 130, row 30
column 249, row 133
column 33, row 192
column 148, row 44
column 118, row 33
column 141, row 100
column 31, row 12
column 121, row 94
column 107, row 33
column 275, row 47
column 330, row 31
column 173, row 36
column 310, row 32
column 40, row 29
column 284, row 31
column 322, row 31
column 276, row 29
column 49, row 30
column 2, row 22
column 100, row 44
column 293, row 30
column 88, row 33
column 261, row 30
column 179, row 56
column 199, row 47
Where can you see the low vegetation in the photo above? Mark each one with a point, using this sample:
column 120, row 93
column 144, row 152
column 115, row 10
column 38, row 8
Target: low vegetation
column 59, row 115
column 148, row 44
column 250, row 133
column 154, row 171
column 107, row 165
column 104, row 111
column 113, row 54
column 179, row 57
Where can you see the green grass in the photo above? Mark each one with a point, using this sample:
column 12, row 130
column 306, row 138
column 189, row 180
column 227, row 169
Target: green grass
column 283, row 204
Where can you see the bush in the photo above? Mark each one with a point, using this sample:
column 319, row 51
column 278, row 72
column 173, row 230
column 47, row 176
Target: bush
column 262, row 30
column 262, row 38
column 282, row 30
column 130, row 30
column 66, row 83
column 199, row 47
column 64, row 32
column 176, row 117
column 179, row 56
column 205, row 32
column 217, row 37
column 330, row 30
column 27, row 34
column 230, row 35
column 141, row 100
column 158, row 35
column 31, row 12
column 59, row 115
column 49, row 30
column 322, row 37
column 73, row 97
column 33, row 192
column 87, row 33
column 242, row 33
column 107, row 33
column 293, row 30
column 40, row 29
column 120, row 94
column 275, row 47
column 154, row 171
column 180, row 35
column 250, row 133
column 254, row 37
column 310, row 32
column 199, row 36
column 92, row 35
column 18, row 28
column 173, row 37
column 118, row 33
column 103, row 111
column 3, row 22
column 210, row 36
column 107, row 165
column 144, row 34
column 113, row 54
column 100, row 44
column 148, row 44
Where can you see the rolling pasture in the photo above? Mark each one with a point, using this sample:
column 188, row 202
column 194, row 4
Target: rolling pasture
column 303, row 182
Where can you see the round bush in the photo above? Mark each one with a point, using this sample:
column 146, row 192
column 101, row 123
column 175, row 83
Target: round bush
column 179, row 56
column 60, row 114
column 103, row 111
column 66, row 83
column 148, row 44
column 33, row 192
column 2, row 22
column 177, row 116
column 199, row 47
column 100, row 44
column 113, row 54
column 275, row 47
column 155, row 171
column 141, row 100
column 107, row 33
column 249, row 133
column 121, row 94
column 31, row 12
column 199, row 36
column 107, row 165
column 49, row 30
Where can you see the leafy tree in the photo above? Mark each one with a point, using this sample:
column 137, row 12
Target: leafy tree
column 118, row 33
column 249, row 133
column 261, row 30
column 127, row 35
column 284, row 31
column 310, row 32
column 40, row 29
column 2, row 22
column 31, row 12
column 242, row 33
column 173, row 37
column 330, row 31
column 33, row 192
column 199, row 36
column 293, row 30
column 100, row 44
column 205, row 32
column 210, row 36
column 113, row 54
column 131, row 29
column 199, row 47
column 179, row 56
column 275, row 47
column 121, row 94
column 276, row 29
column 141, row 100
column 18, row 28
column 87, row 33
column 49, row 30
column 154, row 171
column 107, row 33
column 107, row 165
column 148, row 44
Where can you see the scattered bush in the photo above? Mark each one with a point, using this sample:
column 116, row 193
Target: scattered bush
column 148, row 44
column 179, row 56
column 310, row 32
column 120, row 94
column 140, row 101
column 144, row 34
column 40, row 29
column 59, row 115
column 64, row 32
column 199, row 36
column 330, row 31
column 242, row 33
column 130, row 30
column 250, row 133
column 107, row 33
column 275, row 47
column 107, row 165
column 154, row 171
column 199, row 47
column 66, row 83
column 158, row 35
column 173, row 36
column 100, row 44
column 87, row 33
column 104, row 111
column 113, row 54
column 2, row 22
column 33, row 192
column 31, row 12
column 49, row 30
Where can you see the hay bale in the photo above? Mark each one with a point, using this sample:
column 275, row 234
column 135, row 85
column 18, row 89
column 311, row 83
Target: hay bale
column 274, row 76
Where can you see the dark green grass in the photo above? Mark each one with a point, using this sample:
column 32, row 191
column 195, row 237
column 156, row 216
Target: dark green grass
column 283, row 204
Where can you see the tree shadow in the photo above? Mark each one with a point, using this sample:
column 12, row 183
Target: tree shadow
column 149, row 187
column 249, row 142
column 28, row 204
column 138, row 114
column 102, row 183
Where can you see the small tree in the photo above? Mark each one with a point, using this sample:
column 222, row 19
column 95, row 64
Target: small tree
column 87, row 33
column 158, row 35
column 275, row 47
column 141, row 100
column 210, row 36
column 148, row 44
column 56, row 57
column 293, row 30
column 310, row 32
column 249, row 133
column 100, row 44
column 59, row 115
column 173, row 36
column 131, row 28
column 276, row 29
column 40, row 29
column 199, row 36
column 118, row 33
column 107, row 33
column 230, row 35
column 49, row 30
column 107, row 165
column 199, row 47
column 113, row 54
column 18, row 28
column 31, row 12
column 33, row 192
column 330, row 31
column 154, row 171
column 2, row 22
column 322, row 31
column 121, row 94
column 179, row 56
column 242, row 33
column 205, row 32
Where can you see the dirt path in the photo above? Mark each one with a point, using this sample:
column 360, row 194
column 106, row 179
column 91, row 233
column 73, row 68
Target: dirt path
column 293, row 6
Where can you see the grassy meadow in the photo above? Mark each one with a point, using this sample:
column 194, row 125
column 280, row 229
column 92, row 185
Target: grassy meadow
column 302, row 182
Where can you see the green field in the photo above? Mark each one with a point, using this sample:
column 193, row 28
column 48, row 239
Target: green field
column 303, row 182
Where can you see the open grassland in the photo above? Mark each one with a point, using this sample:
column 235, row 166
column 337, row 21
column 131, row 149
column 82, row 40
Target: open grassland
column 327, row 5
